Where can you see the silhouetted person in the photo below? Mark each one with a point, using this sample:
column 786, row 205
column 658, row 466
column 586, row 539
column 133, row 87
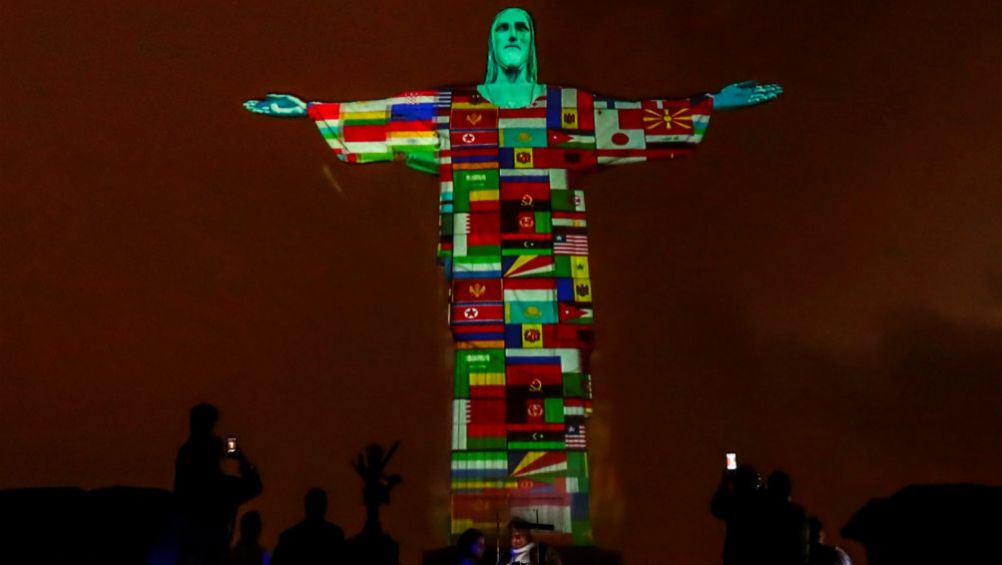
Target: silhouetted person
column 470, row 547
column 524, row 550
column 784, row 523
column 206, row 497
column 372, row 469
column 822, row 554
column 314, row 540
column 938, row 523
column 197, row 453
column 739, row 501
column 248, row 551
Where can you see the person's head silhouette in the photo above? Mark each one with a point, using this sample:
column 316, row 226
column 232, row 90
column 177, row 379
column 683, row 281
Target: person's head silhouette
column 202, row 419
column 471, row 543
column 250, row 527
column 779, row 485
column 315, row 503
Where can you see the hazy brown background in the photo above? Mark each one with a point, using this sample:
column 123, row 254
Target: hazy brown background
column 819, row 288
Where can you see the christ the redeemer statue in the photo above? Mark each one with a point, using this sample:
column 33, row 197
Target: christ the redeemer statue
column 510, row 154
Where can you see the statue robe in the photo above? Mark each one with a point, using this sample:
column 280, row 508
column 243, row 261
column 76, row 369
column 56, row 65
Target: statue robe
column 514, row 248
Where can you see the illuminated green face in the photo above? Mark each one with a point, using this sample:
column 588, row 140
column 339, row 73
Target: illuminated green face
column 511, row 35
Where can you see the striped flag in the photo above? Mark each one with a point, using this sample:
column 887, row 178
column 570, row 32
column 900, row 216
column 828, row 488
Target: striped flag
column 575, row 435
column 569, row 220
column 570, row 244
column 477, row 313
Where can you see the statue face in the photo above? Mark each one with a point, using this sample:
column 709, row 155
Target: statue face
column 511, row 37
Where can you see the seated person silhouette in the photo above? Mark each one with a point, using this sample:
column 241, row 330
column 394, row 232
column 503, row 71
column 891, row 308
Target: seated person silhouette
column 248, row 550
column 314, row 540
column 470, row 547
column 822, row 553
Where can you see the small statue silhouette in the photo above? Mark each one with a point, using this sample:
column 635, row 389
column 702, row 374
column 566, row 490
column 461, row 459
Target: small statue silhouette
column 372, row 468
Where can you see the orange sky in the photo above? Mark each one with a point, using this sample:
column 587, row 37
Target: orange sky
column 818, row 287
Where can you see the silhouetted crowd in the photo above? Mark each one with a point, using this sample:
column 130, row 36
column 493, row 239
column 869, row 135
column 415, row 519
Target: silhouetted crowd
column 765, row 526
column 921, row 524
column 206, row 502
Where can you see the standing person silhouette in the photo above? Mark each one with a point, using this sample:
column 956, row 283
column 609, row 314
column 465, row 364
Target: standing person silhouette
column 197, row 454
column 740, row 501
column 206, row 497
column 510, row 154
column 785, row 523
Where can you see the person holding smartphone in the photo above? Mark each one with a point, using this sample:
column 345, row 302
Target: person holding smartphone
column 206, row 498
column 739, row 501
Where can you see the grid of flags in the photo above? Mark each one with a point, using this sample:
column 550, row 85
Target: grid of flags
column 514, row 248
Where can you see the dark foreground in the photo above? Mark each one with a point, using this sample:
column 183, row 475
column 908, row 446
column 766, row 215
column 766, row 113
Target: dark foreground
column 935, row 524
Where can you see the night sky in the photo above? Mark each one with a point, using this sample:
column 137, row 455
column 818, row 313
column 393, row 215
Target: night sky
column 818, row 288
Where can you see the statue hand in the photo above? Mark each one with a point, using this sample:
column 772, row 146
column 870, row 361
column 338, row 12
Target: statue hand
column 281, row 105
column 745, row 93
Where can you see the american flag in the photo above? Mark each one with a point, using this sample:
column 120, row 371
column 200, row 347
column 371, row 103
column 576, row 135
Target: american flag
column 564, row 244
column 575, row 438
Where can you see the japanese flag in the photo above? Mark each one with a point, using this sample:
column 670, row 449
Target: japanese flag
column 609, row 134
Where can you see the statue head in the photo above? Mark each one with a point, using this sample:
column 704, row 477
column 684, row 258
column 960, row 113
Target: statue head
column 512, row 45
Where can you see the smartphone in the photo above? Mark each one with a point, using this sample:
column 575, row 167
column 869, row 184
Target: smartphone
column 732, row 460
column 231, row 445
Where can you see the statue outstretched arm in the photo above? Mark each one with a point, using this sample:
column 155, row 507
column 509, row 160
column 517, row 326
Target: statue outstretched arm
column 652, row 129
column 744, row 94
column 401, row 128
column 278, row 105
column 633, row 131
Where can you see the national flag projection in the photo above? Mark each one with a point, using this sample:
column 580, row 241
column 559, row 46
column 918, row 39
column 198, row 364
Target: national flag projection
column 514, row 247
